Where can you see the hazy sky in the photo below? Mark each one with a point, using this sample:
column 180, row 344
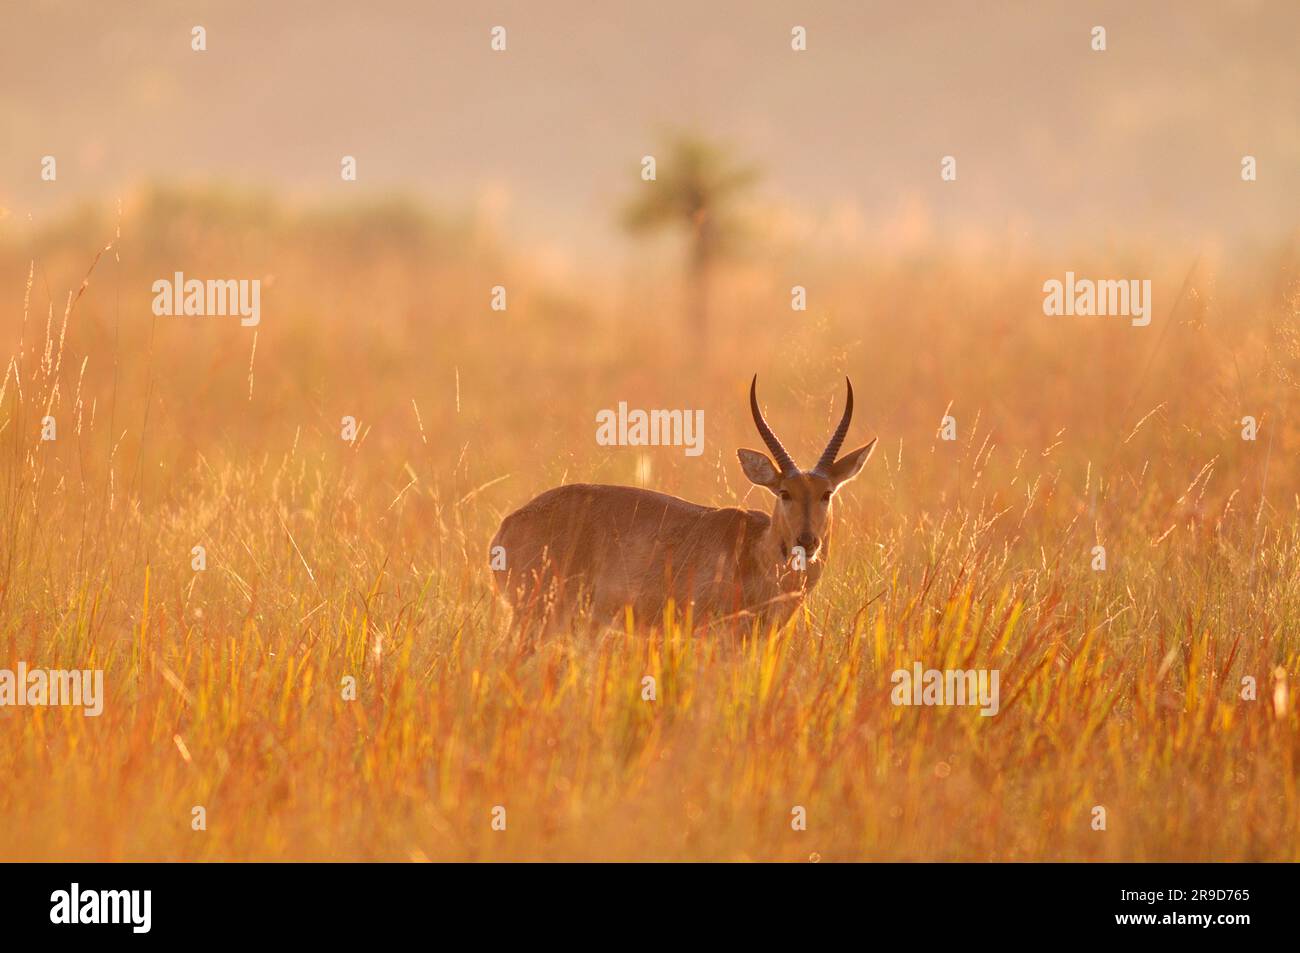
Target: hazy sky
column 1052, row 139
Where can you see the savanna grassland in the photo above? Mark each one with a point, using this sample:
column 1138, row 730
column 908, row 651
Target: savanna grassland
column 327, row 559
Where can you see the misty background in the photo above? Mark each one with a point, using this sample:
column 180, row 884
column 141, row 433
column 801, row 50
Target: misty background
column 1056, row 145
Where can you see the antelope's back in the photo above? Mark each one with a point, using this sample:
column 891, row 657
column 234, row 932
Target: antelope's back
column 620, row 543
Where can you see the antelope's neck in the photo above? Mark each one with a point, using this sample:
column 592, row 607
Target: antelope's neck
column 770, row 551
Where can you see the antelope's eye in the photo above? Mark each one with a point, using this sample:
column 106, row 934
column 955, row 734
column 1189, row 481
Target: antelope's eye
column 826, row 497
column 785, row 494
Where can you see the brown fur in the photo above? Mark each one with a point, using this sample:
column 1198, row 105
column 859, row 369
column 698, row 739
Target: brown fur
column 614, row 546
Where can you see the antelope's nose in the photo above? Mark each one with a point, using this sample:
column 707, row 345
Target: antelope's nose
column 808, row 543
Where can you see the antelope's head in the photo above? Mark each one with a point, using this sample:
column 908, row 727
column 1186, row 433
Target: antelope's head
column 802, row 516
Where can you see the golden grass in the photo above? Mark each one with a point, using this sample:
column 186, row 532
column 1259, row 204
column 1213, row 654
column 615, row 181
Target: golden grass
column 325, row 560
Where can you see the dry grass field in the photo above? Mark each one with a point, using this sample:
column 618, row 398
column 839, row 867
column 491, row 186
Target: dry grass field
column 327, row 559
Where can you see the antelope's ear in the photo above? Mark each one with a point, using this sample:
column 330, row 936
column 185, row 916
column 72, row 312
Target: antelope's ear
column 760, row 470
column 850, row 465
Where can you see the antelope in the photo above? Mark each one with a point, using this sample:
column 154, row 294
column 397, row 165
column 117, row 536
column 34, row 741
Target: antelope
column 608, row 548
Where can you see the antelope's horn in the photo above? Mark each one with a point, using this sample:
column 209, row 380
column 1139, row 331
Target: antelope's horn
column 833, row 448
column 782, row 458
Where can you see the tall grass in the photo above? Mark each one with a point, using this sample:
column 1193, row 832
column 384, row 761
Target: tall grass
column 326, row 560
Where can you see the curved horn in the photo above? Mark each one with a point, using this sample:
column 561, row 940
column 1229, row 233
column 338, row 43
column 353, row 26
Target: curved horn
column 833, row 448
column 782, row 458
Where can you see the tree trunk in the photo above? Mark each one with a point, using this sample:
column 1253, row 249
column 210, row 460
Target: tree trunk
column 697, row 279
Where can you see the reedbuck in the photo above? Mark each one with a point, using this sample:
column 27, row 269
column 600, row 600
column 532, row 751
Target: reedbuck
column 606, row 548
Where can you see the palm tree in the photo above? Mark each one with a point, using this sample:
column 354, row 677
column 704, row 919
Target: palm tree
column 696, row 187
